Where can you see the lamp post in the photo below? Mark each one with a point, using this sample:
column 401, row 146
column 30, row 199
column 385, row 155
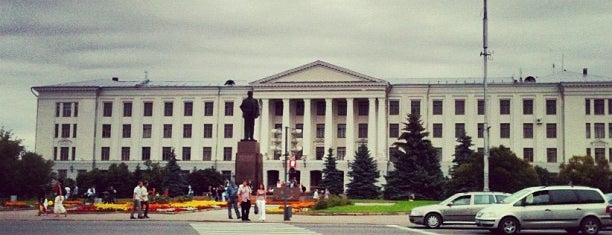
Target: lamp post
column 276, row 142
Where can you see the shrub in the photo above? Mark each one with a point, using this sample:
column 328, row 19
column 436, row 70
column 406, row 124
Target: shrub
column 332, row 201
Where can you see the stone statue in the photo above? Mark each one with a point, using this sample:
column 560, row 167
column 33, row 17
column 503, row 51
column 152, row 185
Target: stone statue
column 250, row 111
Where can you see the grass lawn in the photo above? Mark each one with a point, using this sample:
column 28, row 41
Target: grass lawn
column 377, row 206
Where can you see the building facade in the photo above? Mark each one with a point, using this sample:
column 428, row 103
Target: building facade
column 93, row 124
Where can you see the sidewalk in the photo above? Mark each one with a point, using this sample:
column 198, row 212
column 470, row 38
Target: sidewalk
column 215, row 215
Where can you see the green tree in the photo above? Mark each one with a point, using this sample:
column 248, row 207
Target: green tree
column 201, row 179
column 10, row 149
column 33, row 172
column 363, row 175
column 173, row 178
column 333, row 179
column 416, row 167
column 463, row 154
column 546, row 178
column 154, row 173
column 463, row 151
column 584, row 170
column 120, row 177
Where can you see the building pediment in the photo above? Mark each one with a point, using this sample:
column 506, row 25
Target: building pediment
column 319, row 73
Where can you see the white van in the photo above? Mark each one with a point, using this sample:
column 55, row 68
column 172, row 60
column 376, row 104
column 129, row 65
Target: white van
column 572, row 208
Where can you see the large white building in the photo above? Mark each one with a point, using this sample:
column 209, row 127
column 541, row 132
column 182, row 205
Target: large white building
column 545, row 120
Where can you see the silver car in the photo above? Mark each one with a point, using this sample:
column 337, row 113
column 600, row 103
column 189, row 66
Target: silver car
column 572, row 208
column 457, row 209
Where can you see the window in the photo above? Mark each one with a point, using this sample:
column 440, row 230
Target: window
column 229, row 108
column 127, row 131
column 105, row 153
column 341, row 130
column 437, row 130
column 228, row 131
column 166, row 153
column 610, row 130
column 551, row 130
column 73, row 153
column 168, row 108
column 167, row 130
column 394, row 107
column 148, row 109
column 528, row 130
column 125, row 153
column 107, row 109
column 459, row 107
column 551, row 107
column 480, row 107
column 67, row 109
column 186, row 153
column 227, row 153
column 609, row 106
column 587, row 107
column 437, row 107
column 278, row 108
column 299, row 108
column 480, row 130
column 320, row 108
column 299, row 126
column 320, row 152
column 127, row 109
column 600, row 130
column 146, row 153
column 54, row 153
column 589, row 196
column 504, row 107
column 340, row 153
column 186, row 130
column 363, row 108
column 65, row 130
column 208, row 130
column 587, row 128
column 415, row 107
column 462, row 200
column 56, row 131
column 504, row 130
column 208, row 108
column 551, row 155
column 341, row 104
column 538, row 198
column 74, row 130
column 600, row 154
column 564, row 196
column 393, row 130
column 599, row 106
column 528, row 106
column 484, row 199
column 64, row 153
column 146, row 130
column 76, row 109
column 320, row 130
column 106, row 130
column 363, row 130
column 459, row 129
column 206, row 153
column 528, row 154
column 188, row 108
column 57, row 109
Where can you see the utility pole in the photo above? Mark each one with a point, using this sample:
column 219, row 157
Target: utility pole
column 485, row 54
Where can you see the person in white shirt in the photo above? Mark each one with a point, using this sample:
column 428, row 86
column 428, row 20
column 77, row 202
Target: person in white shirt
column 244, row 197
column 145, row 199
column 67, row 189
column 137, row 198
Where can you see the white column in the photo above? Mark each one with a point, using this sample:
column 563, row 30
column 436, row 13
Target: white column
column 350, row 128
column 372, row 127
column 382, row 129
column 286, row 123
column 265, row 128
column 328, row 125
column 307, row 131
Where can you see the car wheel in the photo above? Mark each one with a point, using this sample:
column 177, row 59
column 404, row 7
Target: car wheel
column 433, row 220
column 508, row 226
column 590, row 226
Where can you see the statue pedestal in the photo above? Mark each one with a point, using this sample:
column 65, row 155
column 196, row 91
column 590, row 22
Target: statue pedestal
column 249, row 163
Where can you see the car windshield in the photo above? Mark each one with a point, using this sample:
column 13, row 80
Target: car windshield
column 450, row 199
column 515, row 196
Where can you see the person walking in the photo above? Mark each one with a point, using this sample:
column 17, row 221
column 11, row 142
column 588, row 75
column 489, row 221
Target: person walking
column 145, row 199
column 137, row 198
column 67, row 190
column 261, row 202
column 232, row 194
column 244, row 196
column 58, row 205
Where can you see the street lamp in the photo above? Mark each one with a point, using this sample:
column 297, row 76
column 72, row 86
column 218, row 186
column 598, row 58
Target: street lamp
column 276, row 143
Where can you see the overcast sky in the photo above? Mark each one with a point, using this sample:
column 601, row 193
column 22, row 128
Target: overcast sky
column 50, row 42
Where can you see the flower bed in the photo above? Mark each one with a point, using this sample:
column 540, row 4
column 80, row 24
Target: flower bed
column 153, row 207
column 15, row 204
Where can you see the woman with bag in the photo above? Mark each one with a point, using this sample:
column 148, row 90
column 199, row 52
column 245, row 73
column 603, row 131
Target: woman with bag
column 58, row 206
column 260, row 203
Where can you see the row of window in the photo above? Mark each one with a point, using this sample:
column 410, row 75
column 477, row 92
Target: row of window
column 597, row 130
column 598, row 106
column 67, row 109
column 65, row 132
column 504, row 107
column 504, row 130
column 107, row 108
column 167, row 153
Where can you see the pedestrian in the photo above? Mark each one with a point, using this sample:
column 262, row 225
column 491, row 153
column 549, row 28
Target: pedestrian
column 261, row 202
column 189, row 191
column 58, row 205
column 145, row 198
column 232, row 192
column 326, row 193
column 303, row 189
column 244, row 196
column 67, row 190
column 76, row 191
column 315, row 195
column 137, row 198
column 42, row 200
column 91, row 193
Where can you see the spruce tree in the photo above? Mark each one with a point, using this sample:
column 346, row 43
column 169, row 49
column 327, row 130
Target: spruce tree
column 332, row 177
column 463, row 156
column 463, row 153
column 173, row 178
column 416, row 167
column 364, row 176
